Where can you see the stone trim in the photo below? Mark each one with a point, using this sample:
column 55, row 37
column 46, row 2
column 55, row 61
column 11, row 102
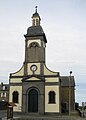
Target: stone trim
column 15, row 84
column 29, row 76
column 52, row 83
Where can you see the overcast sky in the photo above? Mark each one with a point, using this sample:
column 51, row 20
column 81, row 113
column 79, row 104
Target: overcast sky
column 64, row 23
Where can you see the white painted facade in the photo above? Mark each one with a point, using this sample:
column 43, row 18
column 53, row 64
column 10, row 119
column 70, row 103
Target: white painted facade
column 48, row 107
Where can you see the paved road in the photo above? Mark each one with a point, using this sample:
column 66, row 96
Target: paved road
column 3, row 115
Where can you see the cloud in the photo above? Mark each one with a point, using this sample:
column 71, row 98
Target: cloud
column 7, row 67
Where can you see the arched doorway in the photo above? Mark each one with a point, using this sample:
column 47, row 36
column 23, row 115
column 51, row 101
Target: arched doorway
column 33, row 101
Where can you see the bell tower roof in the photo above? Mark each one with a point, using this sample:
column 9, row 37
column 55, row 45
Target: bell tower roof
column 36, row 18
column 36, row 30
column 36, row 13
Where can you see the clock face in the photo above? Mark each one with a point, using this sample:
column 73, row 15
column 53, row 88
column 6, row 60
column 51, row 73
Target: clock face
column 34, row 43
column 33, row 68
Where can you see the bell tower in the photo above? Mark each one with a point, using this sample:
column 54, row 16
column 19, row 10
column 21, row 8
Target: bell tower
column 36, row 18
column 35, row 41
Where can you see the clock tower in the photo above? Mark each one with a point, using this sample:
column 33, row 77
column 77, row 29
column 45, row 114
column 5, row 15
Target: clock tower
column 35, row 41
column 35, row 44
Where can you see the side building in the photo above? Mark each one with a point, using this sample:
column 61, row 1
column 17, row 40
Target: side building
column 35, row 88
column 4, row 95
column 4, row 92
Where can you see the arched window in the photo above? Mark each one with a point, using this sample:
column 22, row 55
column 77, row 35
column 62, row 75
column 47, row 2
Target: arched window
column 33, row 22
column 15, row 96
column 51, row 97
column 37, row 22
column 34, row 44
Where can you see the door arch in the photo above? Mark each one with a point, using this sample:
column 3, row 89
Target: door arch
column 33, row 100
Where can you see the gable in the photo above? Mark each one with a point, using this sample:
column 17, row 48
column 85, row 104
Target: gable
column 49, row 72
column 19, row 72
column 32, row 79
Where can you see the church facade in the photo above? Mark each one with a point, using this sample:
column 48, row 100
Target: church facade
column 35, row 88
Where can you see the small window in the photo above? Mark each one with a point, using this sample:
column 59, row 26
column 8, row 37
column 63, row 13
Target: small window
column 15, row 96
column 33, row 22
column 3, row 87
column 51, row 97
column 3, row 94
column 37, row 22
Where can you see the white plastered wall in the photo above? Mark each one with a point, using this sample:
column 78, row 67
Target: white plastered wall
column 15, row 80
column 29, row 68
column 33, row 78
column 20, row 72
column 52, row 79
column 54, row 108
column 48, row 72
column 35, row 40
column 19, row 90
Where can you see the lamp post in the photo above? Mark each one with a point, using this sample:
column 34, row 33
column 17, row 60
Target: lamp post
column 70, row 92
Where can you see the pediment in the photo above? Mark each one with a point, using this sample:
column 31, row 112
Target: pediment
column 32, row 78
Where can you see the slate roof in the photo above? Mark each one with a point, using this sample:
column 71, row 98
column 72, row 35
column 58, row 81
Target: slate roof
column 65, row 81
column 36, row 15
column 35, row 31
column 5, row 85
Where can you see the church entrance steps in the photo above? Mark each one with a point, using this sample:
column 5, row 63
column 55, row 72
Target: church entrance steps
column 46, row 118
column 42, row 119
column 22, row 116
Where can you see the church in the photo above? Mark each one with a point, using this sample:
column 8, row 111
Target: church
column 34, row 88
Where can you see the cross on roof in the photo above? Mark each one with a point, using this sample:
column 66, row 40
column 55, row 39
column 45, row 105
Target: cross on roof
column 36, row 8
